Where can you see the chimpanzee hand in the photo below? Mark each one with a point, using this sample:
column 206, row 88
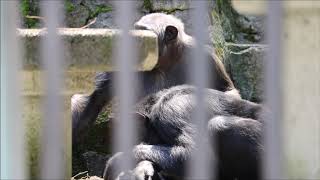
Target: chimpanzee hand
column 144, row 171
column 113, row 170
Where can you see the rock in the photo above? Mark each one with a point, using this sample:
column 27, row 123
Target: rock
column 173, row 5
column 245, row 65
column 108, row 19
column 76, row 2
column 78, row 17
column 181, row 9
column 94, row 4
column 250, row 28
column 104, row 20
column 95, row 162
column 160, row 5
column 185, row 16
column 239, row 28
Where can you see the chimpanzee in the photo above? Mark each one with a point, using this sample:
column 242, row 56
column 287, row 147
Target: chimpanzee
column 168, row 136
column 174, row 56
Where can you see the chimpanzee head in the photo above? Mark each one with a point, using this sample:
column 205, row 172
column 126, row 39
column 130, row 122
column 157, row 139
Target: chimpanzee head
column 171, row 36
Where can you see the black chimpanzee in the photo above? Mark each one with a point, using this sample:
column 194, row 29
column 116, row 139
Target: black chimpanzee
column 168, row 134
column 174, row 56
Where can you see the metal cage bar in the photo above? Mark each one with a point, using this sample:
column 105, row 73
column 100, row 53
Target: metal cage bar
column 273, row 159
column 199, row 165
column 125, row 59
column 52, row 53
column 13, row 155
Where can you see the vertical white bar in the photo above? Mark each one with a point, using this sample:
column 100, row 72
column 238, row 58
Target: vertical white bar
column 52, row 144
column 199, row 164
column 13, row 164
column 125, row 86
column 273, row 159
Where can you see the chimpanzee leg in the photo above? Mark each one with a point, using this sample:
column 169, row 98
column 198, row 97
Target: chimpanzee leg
column 238, row 147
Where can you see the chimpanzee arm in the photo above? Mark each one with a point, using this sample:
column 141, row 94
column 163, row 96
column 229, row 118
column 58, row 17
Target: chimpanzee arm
column 220, row 103
column 247, row 109
column 164, row 157
column 85, row 109
column 238, row 147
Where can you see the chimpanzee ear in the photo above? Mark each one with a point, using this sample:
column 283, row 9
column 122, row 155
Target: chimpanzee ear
column 170, row 33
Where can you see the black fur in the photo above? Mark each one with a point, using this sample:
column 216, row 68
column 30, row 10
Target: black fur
column 232, row 121
column 171, row 70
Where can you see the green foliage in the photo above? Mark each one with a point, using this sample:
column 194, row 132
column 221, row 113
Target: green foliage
column 29, row 8
column 170, row 11
column 100, row 9
column 228, row 18
column 147, row 4
column 218, row 39
column 69, row 7
column 24, row 7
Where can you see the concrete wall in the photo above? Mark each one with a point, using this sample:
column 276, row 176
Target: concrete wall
column 87, row 51
column 300, row 85
column 301, row 89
